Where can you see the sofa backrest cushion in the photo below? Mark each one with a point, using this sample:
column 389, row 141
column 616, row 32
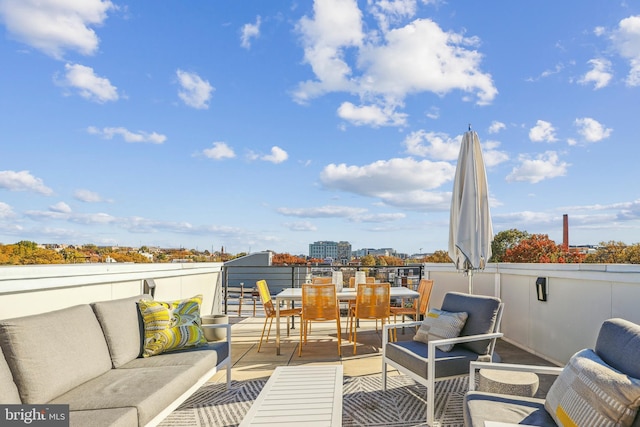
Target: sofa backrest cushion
column 482, row 313
column 8, row 390
column 51, row 353
column 618, row 344
column 122, row 326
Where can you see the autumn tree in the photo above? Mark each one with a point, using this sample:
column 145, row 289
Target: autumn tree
column 538, row 248
column 287, row 259
column 438, row 256
column 505, row 240
column 368, row 261
column 615, row 253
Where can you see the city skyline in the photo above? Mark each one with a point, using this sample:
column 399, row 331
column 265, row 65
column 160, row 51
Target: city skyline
column 268, row 125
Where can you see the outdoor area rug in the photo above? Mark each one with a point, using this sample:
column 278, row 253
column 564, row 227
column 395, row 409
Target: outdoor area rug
column 364, row 403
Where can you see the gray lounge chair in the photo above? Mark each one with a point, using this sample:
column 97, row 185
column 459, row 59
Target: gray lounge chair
column 426, row 364
column 618, row 347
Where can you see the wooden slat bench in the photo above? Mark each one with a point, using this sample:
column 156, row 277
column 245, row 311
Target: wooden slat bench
column 299, row 395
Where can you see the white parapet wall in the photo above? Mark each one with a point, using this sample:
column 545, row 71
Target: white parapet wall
column 580, row 297
column 26, row 290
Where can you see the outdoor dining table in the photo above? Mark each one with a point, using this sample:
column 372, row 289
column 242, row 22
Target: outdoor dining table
column 345, row 294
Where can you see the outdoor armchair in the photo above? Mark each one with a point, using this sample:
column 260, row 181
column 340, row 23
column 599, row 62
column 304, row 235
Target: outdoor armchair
column 597, row 387
column 426, row 362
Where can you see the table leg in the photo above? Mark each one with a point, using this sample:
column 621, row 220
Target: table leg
column 277, row 328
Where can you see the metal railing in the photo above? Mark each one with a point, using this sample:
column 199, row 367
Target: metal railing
column 281, row 277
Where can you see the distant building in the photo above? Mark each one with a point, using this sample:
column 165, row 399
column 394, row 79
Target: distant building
column 338, row 251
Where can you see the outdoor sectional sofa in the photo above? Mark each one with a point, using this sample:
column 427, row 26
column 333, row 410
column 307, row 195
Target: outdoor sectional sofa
column 89, row 357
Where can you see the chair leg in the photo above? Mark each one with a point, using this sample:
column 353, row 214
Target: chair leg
column 302, row 327
column 339, row 337
column 354, row 335
column 262, row 335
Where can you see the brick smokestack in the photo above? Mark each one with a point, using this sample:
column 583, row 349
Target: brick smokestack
column 565, row 232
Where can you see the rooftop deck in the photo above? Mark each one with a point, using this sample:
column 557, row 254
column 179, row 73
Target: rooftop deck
column 321, row 348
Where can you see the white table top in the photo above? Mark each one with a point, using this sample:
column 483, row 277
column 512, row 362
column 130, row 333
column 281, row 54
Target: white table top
column 299, row 395
column 295, row 294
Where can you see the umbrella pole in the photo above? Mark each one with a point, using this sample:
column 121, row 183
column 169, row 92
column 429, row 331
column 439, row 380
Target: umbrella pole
column 470, row 282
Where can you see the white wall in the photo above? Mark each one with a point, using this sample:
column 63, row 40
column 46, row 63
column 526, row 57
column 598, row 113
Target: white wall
column 580, row 298
column 26, row 290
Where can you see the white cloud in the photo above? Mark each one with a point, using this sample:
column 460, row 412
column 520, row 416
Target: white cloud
column 542, row 131
column 378, row 218
column 388, row 12
column 55, row 26
column 194, row 91
column 491, row 155
column 386, row 179
column 6, row 211
column 219, row 151
column 626, row 40
column 278, row 155
column 248, row 32
column 591, row 130
column 335, row 26
column 385, row 66
column 600, row 73
column 88, row 84
column 60, row 207
column 496, row 126
column 533, row 170
column 434, row 145
column 300, row 226
column 23, row 181
column 329, row 211
column 372, row 115
column 127, row 135
column 87, row 196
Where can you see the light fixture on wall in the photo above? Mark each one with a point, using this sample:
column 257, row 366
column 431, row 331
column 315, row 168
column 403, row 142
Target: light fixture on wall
column 541, row 288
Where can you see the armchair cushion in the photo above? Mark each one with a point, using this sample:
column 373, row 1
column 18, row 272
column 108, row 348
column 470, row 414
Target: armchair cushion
column 590, row 392
column 618, row 344
column 480, row 406
column 414, row 356
column 439, row 324
column 482, row 312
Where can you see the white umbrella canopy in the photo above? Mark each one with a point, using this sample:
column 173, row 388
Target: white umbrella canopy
column 470, row 228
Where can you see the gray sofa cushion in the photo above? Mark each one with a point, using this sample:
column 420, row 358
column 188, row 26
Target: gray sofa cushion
column 480, row 407
column 122, row 326
column 482, row 313
column 8, row 390
column 116, row 417
column 51, row 353
column 149, row 390
column 618, row 344
column 203, row 358
column 413, row 356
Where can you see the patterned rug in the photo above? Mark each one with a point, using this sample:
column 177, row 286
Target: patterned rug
column 363, row 404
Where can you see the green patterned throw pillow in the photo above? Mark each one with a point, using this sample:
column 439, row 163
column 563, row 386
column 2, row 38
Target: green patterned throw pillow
column 588, row 392
column 440, row 324
column 171, row 325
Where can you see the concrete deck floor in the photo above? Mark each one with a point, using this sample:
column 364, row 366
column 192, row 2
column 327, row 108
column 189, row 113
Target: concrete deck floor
column 321, row 348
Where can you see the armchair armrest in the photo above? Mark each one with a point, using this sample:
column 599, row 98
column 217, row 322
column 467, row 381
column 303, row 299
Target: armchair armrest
column 388, row 326
column 538, row 369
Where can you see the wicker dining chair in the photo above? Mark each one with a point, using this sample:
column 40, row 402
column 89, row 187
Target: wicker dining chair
column 373, row 301
column 319, row 303
column 270, row 309
column 321, row 280
column 424, row 289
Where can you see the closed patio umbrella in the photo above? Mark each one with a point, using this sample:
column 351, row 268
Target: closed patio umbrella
column 470, row 228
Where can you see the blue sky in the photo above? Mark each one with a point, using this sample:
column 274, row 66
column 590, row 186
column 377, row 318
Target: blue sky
column 259, row 125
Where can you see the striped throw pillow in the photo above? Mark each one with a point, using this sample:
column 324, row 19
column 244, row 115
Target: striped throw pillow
column 172, row 325
column 440, row 324
column 589, row 392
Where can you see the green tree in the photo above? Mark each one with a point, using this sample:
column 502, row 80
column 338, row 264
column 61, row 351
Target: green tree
column 505, row 240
